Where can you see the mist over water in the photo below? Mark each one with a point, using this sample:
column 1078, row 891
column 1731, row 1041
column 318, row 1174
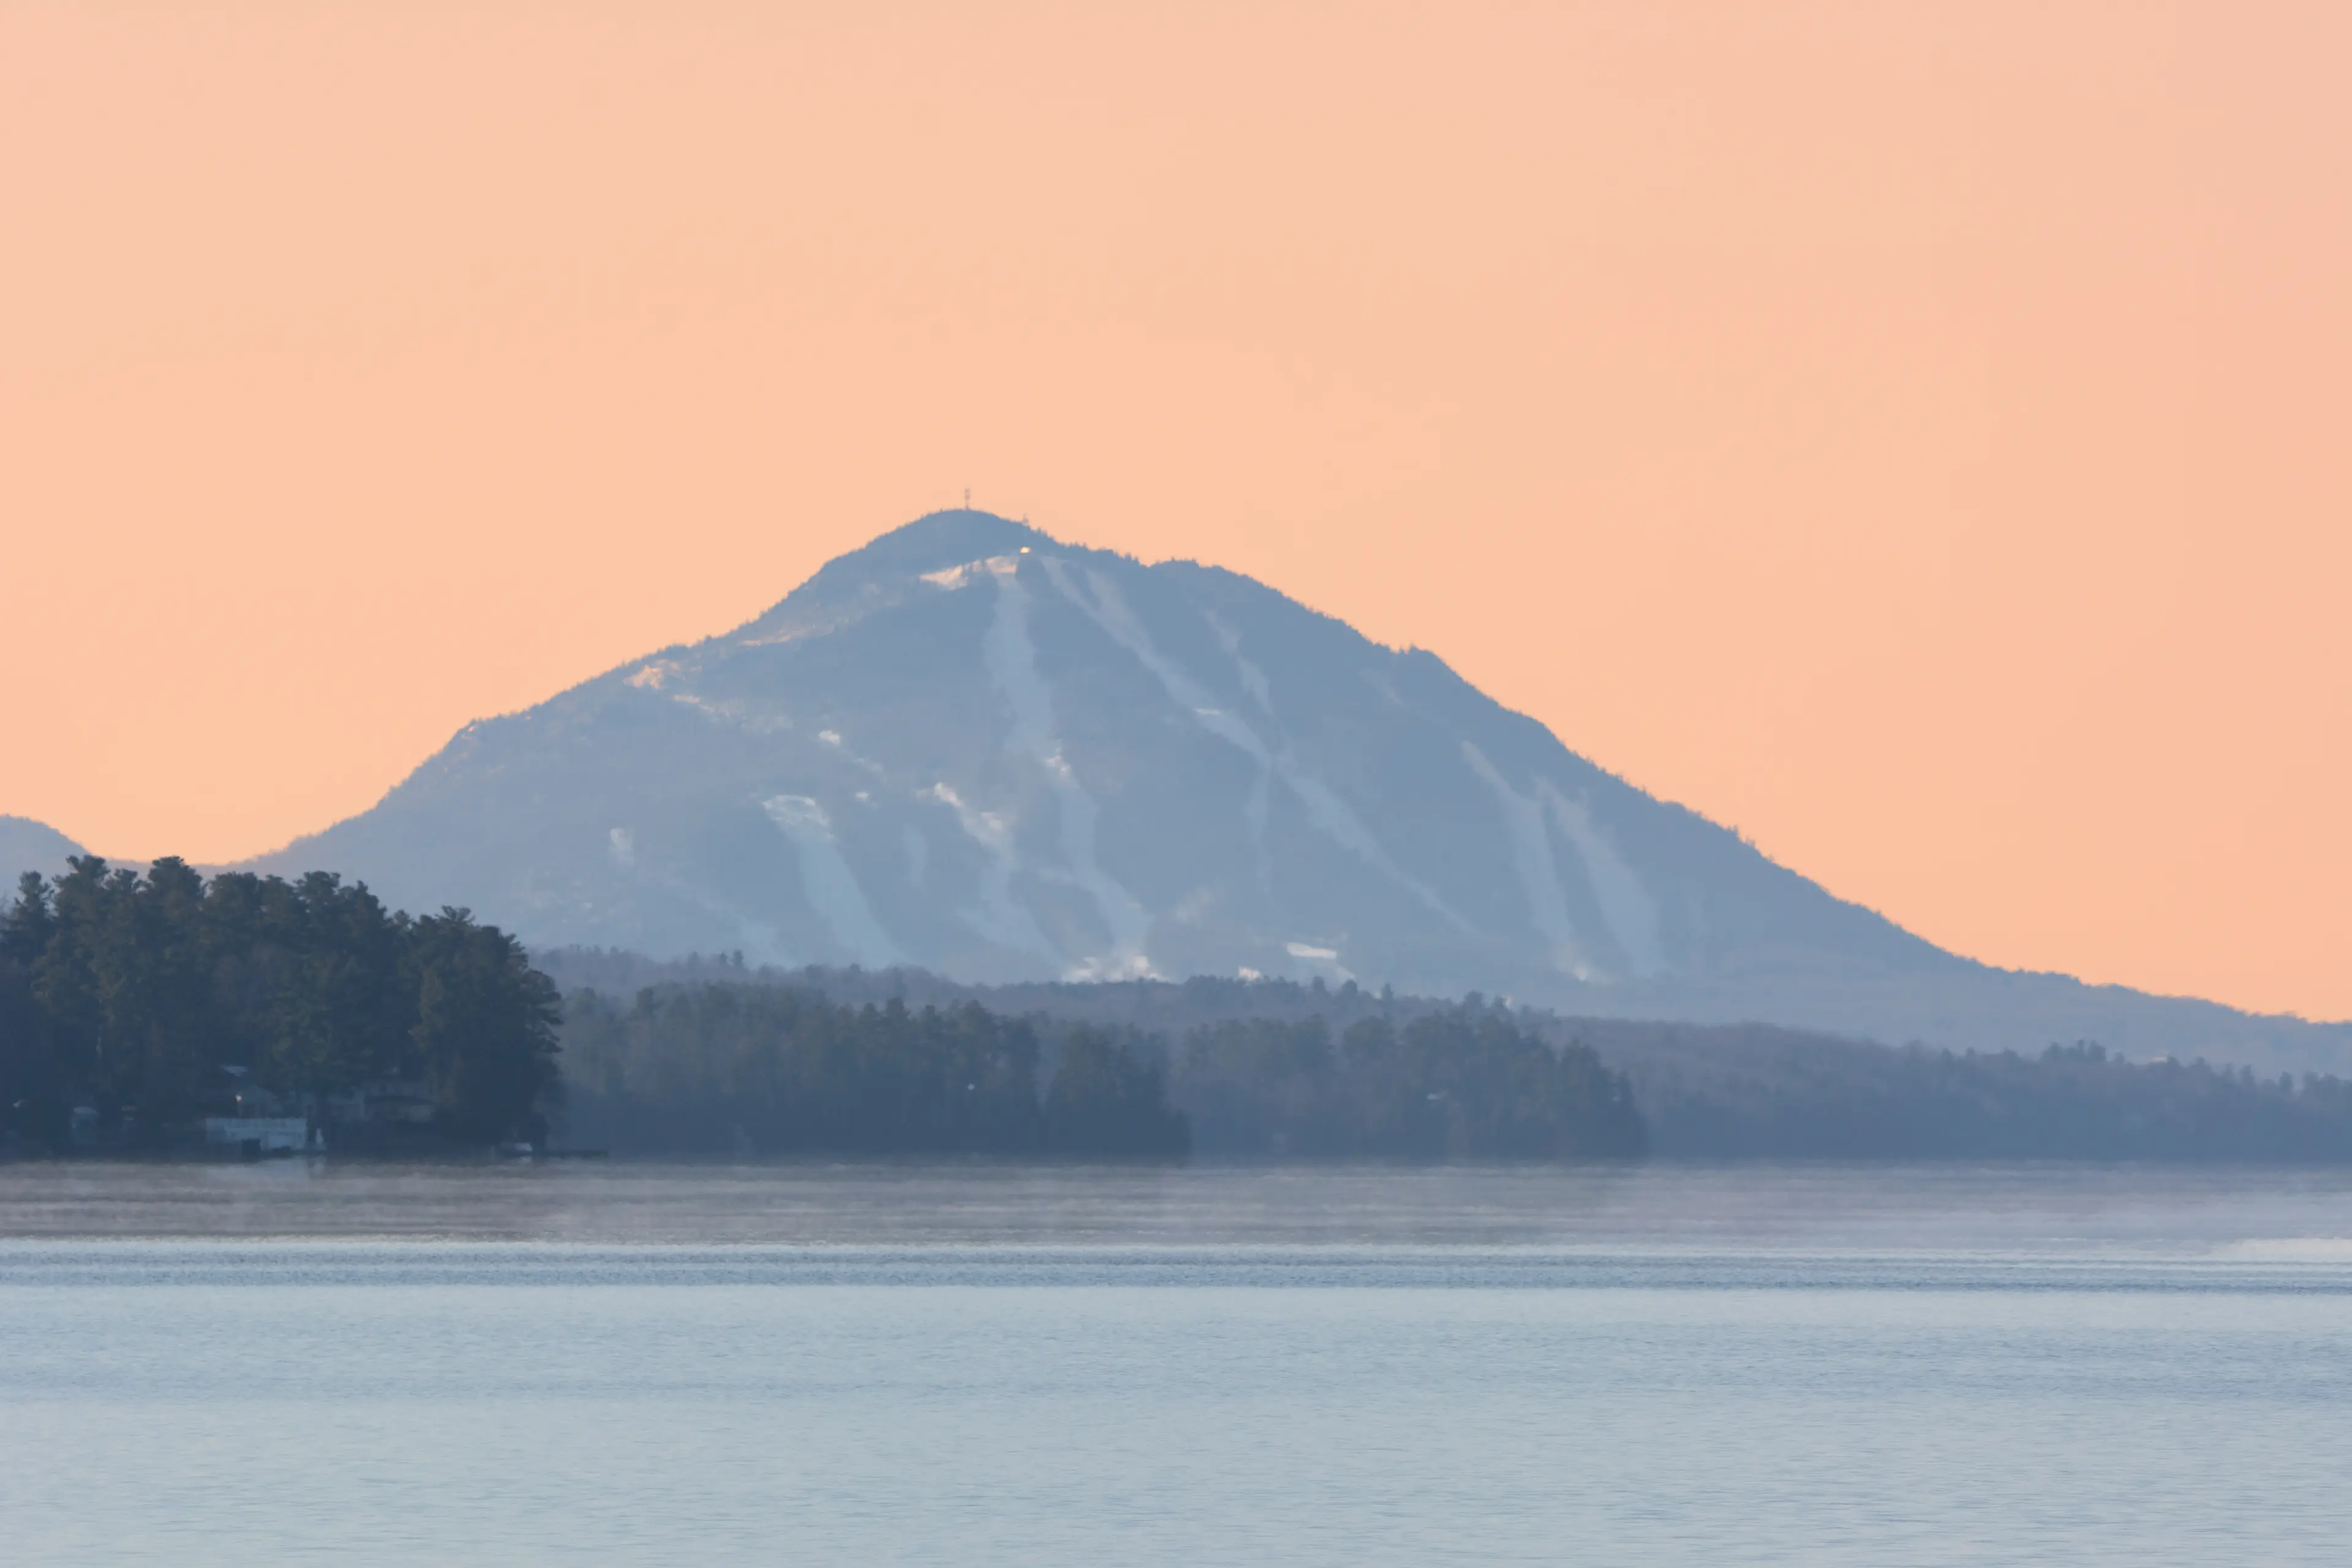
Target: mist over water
column 990, row 1364
column 2167, row 1210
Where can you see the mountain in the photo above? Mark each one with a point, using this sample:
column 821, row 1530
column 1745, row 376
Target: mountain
column 29, row 846
column 973, row 748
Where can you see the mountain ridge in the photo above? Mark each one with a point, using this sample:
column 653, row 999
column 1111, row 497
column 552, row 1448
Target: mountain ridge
column 29, row 846
column 971, row 747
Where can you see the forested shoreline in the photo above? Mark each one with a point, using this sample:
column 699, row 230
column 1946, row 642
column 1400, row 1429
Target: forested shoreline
column 1261, row 1069
column 135, row 1009
column 732, row 1069
column 163, row 1013
column 757, row 1070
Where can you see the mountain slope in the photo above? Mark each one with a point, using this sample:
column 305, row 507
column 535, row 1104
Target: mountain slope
column 971, row 747
column 29, row 846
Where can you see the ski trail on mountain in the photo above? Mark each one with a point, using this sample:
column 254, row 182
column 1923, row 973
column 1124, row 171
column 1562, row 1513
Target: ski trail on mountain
column 916, row 846
column 1011, row 661
column 1625, row 903
column 1001, row 917
column 1118, row 622
column 831, row 886
column 1326, row 813
column 1531, row 857
column 1253, row 681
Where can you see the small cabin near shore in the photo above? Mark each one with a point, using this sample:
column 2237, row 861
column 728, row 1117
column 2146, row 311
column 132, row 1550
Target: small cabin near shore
column 259, row 1134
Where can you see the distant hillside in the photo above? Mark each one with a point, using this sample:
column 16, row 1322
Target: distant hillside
column 1277, row 1069
column 971, row 748
column 29, row 846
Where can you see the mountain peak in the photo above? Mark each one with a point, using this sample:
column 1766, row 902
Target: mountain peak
column 872, row 576
column 948, row 537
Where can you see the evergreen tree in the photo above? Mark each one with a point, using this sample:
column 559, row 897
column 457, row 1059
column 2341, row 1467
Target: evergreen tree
column 485, row 1032
column 1108, row 1099
column 34, row 1107
column 131, row 993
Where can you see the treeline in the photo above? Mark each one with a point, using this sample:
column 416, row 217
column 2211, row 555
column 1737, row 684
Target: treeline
column 1262, row 1069
column 738, row 1069
column 1468, row 1083
column 1170, row 1008
column 764, row 1070
column 132, row 1006
column 124, row 999
column 1758, row 1093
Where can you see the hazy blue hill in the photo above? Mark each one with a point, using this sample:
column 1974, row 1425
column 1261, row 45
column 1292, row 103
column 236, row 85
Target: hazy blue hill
column 973, row 748
column 29, row 846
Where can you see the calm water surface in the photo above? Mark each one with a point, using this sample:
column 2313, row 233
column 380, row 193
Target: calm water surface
column 986, row 1364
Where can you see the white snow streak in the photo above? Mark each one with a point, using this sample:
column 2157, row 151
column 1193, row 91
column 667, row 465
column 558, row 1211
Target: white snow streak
column 955, row 577
column 831, row 888
column 1336, row 820
column 1320, row 957
column 651, row 676
column 1625, row 903
column 1252, row 677
column 1001, row 917
column 1531, row 857
column 1108, row 608
column 831, row 739
column 1011, row 661
column 1326, row 813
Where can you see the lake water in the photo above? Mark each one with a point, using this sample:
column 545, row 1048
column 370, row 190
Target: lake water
column 987, row 1365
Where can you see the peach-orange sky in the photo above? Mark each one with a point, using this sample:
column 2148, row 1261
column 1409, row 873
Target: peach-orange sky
column 1917, row 434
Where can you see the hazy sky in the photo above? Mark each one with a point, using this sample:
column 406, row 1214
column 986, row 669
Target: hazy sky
column 1917, row 434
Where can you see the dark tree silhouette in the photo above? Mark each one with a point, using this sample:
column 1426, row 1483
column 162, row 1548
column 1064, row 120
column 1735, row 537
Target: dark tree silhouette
column 129, row 994
column 761, row 1071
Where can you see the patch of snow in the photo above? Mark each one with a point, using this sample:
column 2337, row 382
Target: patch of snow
column 954, row 577
column 1531, row 857
column 1011, row 661
column 1625, row 903
column 1324, row 960
column 625, row 846
column 831, row 888
column 653, row 675
column 1001, row 917
column 831, row 739
column 1249, row 973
